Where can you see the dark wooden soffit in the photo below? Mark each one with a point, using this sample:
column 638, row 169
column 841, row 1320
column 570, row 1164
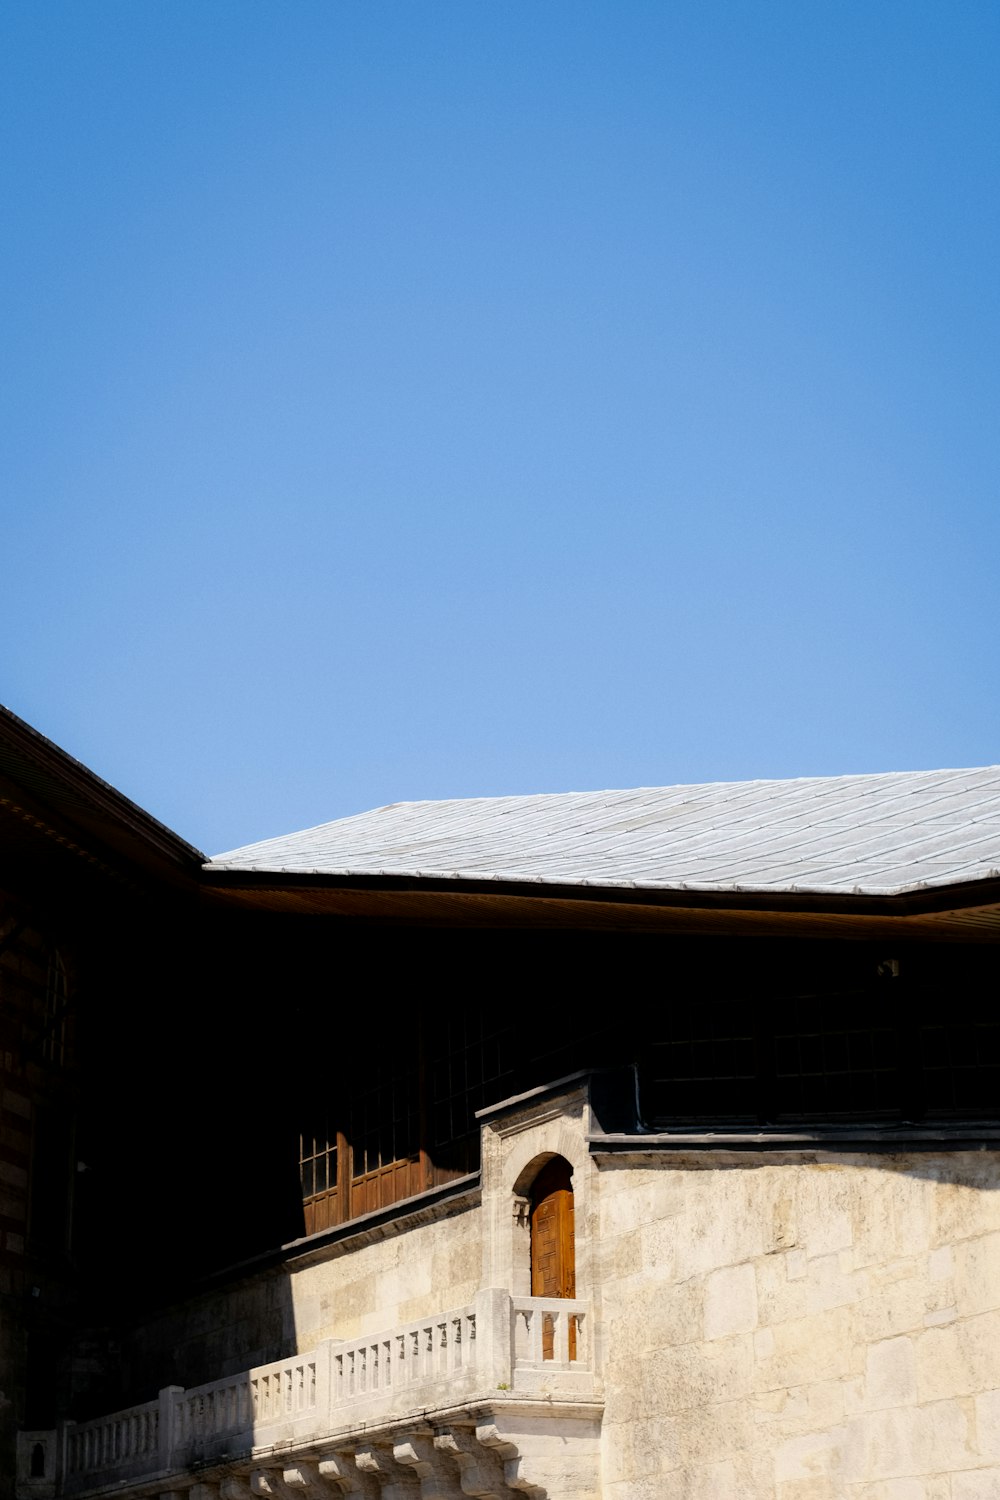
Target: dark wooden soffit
column 48, row 791
column 963, row 914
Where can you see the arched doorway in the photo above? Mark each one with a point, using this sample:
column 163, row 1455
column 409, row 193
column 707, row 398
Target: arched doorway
column 553, row 1255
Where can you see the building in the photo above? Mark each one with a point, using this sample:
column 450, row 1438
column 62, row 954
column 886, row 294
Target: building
column 609, row 1146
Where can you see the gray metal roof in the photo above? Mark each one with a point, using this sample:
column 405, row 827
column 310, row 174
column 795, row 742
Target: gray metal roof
column 872, row 835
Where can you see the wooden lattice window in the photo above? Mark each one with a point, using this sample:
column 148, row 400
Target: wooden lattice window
column 405, row 1122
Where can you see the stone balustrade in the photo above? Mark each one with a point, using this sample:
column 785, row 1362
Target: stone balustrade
column 497, row 1347
column 125, row 1440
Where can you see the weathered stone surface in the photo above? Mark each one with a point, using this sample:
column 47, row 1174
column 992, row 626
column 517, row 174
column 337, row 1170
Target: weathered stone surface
column 768, row 1329
column 730, row 1301
column 867, row 1354
column 979, row 1484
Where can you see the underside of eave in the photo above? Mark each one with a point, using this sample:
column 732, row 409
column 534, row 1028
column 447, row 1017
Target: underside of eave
column 413, row 906
column 28, row 828
column 42, row 782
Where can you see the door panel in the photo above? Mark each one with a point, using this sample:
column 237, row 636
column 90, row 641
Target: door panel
column 553, row 1259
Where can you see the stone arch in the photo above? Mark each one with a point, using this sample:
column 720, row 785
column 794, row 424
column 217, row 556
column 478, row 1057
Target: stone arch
column 517, row 1144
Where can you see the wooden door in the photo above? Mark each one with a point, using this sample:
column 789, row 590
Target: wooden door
column 553, row 1259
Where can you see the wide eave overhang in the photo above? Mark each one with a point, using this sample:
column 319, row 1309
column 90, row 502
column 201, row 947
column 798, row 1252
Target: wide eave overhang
column 48, row 797
column 965, row 913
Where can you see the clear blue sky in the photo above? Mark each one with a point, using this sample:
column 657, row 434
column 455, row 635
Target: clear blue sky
column 413, row 399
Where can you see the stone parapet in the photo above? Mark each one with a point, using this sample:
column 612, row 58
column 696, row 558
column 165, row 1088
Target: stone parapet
column 470, row 1359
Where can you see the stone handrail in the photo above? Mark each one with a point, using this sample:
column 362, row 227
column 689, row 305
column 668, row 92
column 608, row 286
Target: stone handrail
column 561, row 1320
column 121, row 1440
column 496, row 1344
column 433, row 1348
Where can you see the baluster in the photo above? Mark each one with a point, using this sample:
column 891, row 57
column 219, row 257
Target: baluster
column 520, row 1335
column 561, row 1342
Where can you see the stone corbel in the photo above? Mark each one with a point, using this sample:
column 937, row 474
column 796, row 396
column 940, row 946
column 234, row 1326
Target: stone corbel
column 489, row 1434
column 234, row 1487
column 304, row 1482
column 340, row 1471
column 397, row 1481
column 418, row 1452
column 480, row 1471
column 268, row 1484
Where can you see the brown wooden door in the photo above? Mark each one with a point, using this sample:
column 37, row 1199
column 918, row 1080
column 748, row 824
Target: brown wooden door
column 553, row 1259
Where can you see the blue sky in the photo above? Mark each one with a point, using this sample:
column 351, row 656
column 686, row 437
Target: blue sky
column 412, row 400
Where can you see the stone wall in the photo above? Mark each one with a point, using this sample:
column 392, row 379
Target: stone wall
column 410, row 1268
column 767, row 1326
column 787, row 1330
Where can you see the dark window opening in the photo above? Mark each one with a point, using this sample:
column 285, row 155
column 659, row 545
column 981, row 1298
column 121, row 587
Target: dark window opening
column 839, row 1061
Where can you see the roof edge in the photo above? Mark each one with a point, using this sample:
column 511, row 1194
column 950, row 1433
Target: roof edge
column 915, row 902
column 74, row 778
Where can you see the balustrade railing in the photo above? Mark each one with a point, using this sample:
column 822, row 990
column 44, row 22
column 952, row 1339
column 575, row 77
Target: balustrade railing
column 549, row 1330
column 496, row 1346
column 116, row 1441
column 433, row 1348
